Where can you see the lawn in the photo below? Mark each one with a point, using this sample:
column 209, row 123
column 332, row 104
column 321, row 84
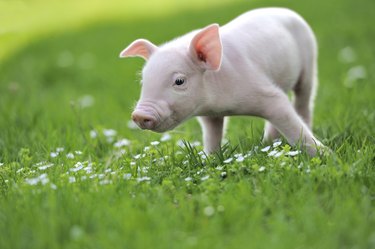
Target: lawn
column 74, row 173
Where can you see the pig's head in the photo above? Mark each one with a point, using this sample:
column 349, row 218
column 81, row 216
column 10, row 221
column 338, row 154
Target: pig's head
column 173, row 85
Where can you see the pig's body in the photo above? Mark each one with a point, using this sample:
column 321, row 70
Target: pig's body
column 260, row 56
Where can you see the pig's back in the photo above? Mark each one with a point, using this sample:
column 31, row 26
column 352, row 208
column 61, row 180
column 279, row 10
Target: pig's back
column 277, row 41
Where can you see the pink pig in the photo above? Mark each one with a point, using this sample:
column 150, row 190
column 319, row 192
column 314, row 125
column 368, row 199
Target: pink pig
column 245, row 67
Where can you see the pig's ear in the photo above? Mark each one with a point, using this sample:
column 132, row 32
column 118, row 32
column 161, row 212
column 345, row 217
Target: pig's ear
column 206, row 47
column 141, row 48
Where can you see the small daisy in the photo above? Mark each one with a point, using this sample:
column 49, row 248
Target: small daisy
column 44, row 167
column 109, row 132
column 205, row 178
column 261, row 169
column 155, row 143
column 209, row 211
column 54, row 154
column 127, row 176
column 265, row 149
column 273, row 153
column 144, row 178
column 93, row 134
column 72, row 179
column 121, row 143
column 277, row 143
column 59, row 149
column 70, row 155
column 166, row 137
column 293, row 153
column 188, row 179
column 240, row 159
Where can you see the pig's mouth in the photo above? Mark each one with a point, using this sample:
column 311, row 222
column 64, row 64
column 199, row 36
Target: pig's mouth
column 166, row 125
column 150, row 119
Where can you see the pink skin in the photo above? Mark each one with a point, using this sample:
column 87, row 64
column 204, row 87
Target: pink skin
column 243, row 68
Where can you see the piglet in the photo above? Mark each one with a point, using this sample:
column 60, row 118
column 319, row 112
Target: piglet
column 245, row 67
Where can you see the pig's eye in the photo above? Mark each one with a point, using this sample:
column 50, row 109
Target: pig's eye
column 179, row 81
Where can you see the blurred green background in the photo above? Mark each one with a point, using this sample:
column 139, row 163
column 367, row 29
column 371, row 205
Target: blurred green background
column 60, row 78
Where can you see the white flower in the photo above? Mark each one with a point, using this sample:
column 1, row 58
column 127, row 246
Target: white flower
column 261, row 169
column 209, row 211
column 205, row 178
column 72, row 179
column 121, row 143
column 70, row 155
column 59, row 149
column 293, row 153
column 109, row 132
column 347, row 55
column 78, row 166
column 180, row 143
column 32, row 181
column 53, row 186
column 144, row 178
column 354, row 74
column 223, row 174
column 195, row 143
column 220, row 208
column 155, row 143
column 188, row 179
column 147, row 148
column 44, row 167
column 127, row 176
column 43, row 178
column 1, row 164
column 20, row 170
column 230, row 159
column 105, row 182
column 166, row 137
column 86, row 101
column 54, row 154
column 93, row 134
column 137, row 156
column 273, row 153
column 78, row 152
column 265, row 149
column 277, row 144
column 240, row 159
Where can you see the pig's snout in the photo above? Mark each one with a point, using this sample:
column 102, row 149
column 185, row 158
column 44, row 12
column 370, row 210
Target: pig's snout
column 144, row 120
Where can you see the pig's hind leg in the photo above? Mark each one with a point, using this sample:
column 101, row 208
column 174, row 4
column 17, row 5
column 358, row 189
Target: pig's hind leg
column 304, row 93
column 213, row 131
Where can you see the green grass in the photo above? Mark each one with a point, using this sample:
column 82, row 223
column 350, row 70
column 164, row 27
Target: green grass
column 167, row 195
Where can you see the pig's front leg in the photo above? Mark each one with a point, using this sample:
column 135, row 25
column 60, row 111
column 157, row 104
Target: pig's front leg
column 279, row 111
column 213, row 128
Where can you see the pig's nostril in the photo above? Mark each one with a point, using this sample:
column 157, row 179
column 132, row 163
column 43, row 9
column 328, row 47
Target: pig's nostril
column 143, row 121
